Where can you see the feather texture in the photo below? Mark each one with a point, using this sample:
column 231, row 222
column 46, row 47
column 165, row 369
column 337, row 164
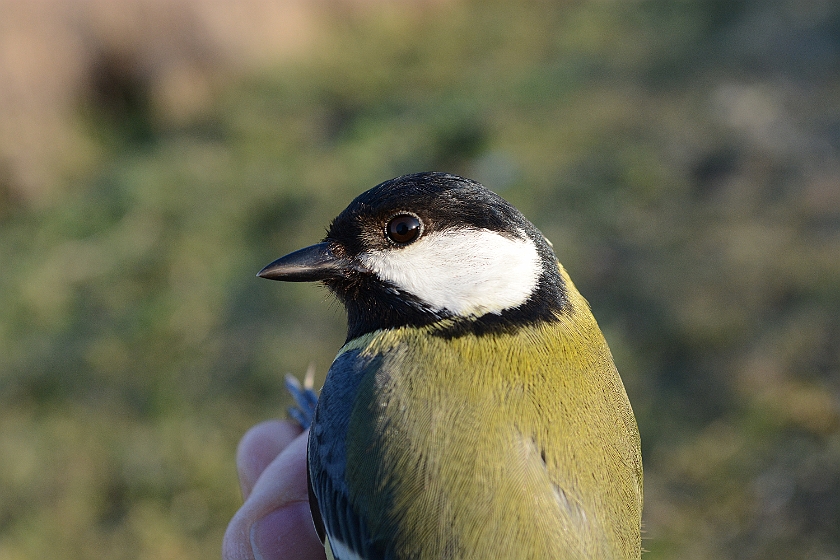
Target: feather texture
column 511, row 445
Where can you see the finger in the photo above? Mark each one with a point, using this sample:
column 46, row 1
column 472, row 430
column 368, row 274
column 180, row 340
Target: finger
column 275, row 521
column 259, row 446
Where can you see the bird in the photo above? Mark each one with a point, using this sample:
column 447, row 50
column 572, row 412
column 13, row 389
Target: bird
column 474, row 410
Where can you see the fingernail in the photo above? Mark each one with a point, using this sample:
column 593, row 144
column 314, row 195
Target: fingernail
column 286, row 533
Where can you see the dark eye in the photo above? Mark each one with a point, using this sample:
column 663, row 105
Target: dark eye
column 404, row 228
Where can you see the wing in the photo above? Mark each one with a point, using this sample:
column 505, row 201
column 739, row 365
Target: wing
column 329, row 498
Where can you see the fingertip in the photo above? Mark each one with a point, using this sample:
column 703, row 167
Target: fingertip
column 286, row 534
column 258, row 448
column 275, row 521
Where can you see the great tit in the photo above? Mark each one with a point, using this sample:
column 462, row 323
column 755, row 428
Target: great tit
column 474, row 411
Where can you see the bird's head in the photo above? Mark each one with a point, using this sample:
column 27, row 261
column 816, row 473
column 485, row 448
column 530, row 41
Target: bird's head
column 432, row 248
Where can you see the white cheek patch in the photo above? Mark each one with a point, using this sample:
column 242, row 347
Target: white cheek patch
column 466, row 271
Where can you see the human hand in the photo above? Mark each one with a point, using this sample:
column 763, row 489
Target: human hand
column 275, row 521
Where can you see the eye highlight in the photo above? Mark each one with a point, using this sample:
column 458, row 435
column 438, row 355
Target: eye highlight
column 404, row 228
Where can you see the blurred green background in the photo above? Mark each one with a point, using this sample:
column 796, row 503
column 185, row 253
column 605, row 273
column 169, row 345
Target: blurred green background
column 684, row 158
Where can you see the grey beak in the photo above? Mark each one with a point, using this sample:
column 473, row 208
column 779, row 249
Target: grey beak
column 310, row 264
